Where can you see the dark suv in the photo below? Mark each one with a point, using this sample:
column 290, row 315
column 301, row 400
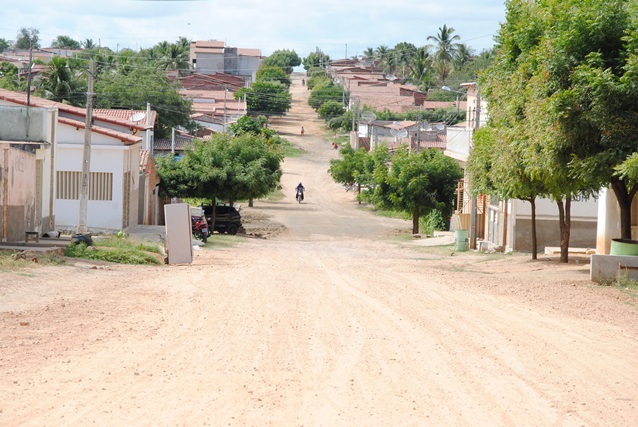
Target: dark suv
column 227, row 219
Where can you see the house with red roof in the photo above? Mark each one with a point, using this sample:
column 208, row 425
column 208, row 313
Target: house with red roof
column 117, row 138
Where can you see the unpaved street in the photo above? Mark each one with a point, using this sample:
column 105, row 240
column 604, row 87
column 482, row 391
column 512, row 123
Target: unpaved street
column 331, row 318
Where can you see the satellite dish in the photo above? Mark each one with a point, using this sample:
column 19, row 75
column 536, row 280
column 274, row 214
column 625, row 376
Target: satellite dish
column 403, row 133
column 137, row 117
column 426, row 127
column 440, row 127
column 367, row 116
column 394, row 132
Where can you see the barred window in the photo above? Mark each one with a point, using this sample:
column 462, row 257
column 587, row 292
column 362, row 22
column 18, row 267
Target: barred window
column 69, row 185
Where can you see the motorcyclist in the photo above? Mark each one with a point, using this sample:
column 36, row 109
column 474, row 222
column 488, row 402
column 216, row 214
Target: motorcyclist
column 300, row 190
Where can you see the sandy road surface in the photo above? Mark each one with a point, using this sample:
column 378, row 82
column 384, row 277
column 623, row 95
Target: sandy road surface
column 328, row 321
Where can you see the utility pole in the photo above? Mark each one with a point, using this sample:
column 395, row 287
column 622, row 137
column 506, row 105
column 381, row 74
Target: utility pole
column 225, row 92
column 474, row 212
column 86, row 154
column 29, row 73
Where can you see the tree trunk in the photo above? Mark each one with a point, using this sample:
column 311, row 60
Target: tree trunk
column 213, row 214
column 534, row 236
column 625, row 197
column 415, row 221
column 250, row 202
column 564, row 221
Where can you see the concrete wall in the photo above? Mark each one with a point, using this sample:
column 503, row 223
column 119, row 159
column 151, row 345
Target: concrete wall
column 23, row 124
column 583, row 234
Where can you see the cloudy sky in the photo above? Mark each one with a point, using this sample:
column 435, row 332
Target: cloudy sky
column 334, row 26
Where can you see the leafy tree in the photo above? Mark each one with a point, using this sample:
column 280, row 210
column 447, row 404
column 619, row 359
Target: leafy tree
column 274, row 73
column 351, row 168
column 266, row 97
column 65, row 42
column 325, row 93
column 564, row 77
column 419, row 183
column 8, row 76
column 445, row 50
column 27, row 38
column 284, row 59
column 381, row 52
column 316, row 59
column 225, row 168
column 404, row 53
column 139, row 86
column 331, row 109
column 4, row 45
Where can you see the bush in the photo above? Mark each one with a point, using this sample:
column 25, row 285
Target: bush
column 331, row 109
column 119, row 250
column 432, row 221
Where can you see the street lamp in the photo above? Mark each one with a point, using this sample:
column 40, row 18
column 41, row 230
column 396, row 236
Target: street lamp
column 448, row 89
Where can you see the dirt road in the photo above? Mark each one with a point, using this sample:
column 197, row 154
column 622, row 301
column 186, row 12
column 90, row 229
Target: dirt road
column 331, row 320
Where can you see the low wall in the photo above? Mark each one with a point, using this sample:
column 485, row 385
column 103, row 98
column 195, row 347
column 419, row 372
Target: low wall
column 582, row 235
column 604, row 268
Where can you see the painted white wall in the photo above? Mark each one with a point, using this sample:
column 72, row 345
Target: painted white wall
column 101, row 215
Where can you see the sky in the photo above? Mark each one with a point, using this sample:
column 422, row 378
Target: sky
column 339, row 28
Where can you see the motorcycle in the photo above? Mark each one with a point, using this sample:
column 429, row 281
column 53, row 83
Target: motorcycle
column 200, row 228
column 299, row 196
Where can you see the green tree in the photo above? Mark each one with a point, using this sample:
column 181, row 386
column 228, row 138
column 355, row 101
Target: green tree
column 351, row 168
column 266, row 97
column 368, row 53
column 88, row 44
column 8, row 76
column 284, row 59
column 224, row 168
column 59, row 84
column 331, row 109
column 324, row 93
column 65, row 42
column 4, row 45
column 27, row 38
column 445, row 50
column 564, row 77
column 274, row 73
column 316, row 59
column 419, row 183
column 139, row 86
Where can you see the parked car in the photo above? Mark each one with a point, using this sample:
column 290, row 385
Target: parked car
column 227, row 219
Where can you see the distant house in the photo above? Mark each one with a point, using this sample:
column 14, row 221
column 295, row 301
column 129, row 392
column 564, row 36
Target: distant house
column 212, row 56
column 117, row 139
column 416, row 135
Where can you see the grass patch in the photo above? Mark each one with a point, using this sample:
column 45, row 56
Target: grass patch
column 222, row 241
column 625, row 284
column 290, row 150
column 120, row 250
column 20, row 260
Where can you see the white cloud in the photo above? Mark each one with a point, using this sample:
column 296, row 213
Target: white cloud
column 272, row 25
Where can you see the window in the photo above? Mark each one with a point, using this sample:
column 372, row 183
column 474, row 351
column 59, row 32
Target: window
column 69, row 185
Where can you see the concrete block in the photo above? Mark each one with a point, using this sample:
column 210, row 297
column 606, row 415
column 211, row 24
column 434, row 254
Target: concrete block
column 607, row 267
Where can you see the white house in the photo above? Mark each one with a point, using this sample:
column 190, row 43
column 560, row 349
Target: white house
column 114, row 167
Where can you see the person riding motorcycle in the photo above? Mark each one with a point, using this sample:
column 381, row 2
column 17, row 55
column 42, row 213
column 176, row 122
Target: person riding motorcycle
column 300, row 189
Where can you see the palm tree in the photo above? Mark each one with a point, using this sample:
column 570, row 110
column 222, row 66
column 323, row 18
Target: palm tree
column 88, row 44
column 57, row 82
column 381, row 52
column 420, row 69
column 464, row 55
column 445, row 50
column 368, row 53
